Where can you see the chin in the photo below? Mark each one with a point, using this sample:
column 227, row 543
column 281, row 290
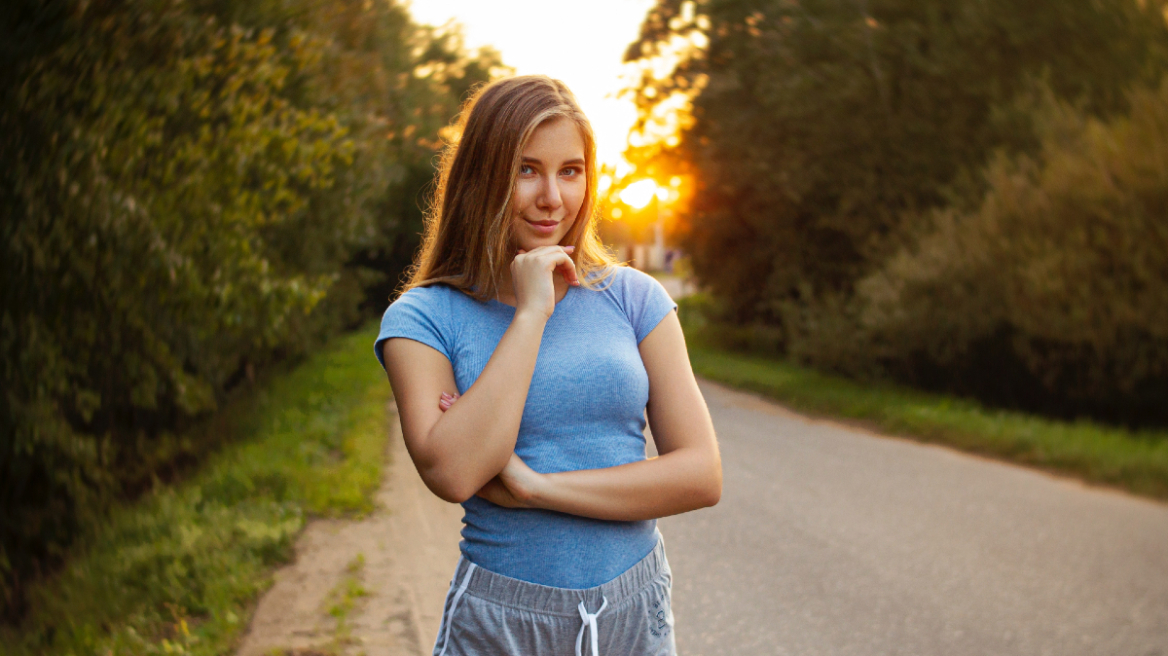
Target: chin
column 529, row 241
column 532, row 244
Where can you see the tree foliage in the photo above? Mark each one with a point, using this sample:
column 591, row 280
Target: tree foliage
column 190, row 190
column 820, row 127
column 826, row 137
column 1061, row 274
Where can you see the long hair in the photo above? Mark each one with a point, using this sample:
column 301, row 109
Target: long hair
column 467, row 240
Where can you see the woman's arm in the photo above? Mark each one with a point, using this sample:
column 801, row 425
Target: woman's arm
column 687, row 474
column 456, row 452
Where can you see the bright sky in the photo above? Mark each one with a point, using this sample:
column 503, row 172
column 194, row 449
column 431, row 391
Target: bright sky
column 581, row 44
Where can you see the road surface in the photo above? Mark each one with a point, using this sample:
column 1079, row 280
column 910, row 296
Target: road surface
column 828, row 541
column 832, row 541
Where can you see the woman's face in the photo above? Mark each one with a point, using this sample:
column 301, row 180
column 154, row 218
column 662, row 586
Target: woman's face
column 551, row 186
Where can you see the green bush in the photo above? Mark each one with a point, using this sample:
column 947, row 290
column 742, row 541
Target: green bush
column 191, row 191
column 705, row 321
column 1062, row 270
column 818, row 132
column 139, row 281
column 179, row 570
column 966, row 196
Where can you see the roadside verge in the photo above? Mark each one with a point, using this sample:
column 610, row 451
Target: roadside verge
column 179, row 570
column 1134, row 461
column 370, row 585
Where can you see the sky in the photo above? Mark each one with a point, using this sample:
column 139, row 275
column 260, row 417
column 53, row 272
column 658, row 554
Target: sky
column 581, row 44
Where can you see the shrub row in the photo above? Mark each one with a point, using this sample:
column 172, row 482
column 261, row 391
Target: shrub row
column 969, row 197
column 178, row 570
column 191, row 190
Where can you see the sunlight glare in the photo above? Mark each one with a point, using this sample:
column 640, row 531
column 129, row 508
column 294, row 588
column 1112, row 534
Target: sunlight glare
column 639, row 194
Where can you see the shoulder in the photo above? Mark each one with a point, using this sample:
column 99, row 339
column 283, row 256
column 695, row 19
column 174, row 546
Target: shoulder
column 431, row 300
column 631, row 285
column 431, row 306
column 619, row 280
column 637, row 280
column 423, row 314
column 429, row 294
column 642, row 299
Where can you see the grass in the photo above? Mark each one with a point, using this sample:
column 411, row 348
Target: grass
column 341, row 602
column 1133, row 461
column 178, row 572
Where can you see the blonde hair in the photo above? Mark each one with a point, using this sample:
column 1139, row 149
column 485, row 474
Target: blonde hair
column 467, row 240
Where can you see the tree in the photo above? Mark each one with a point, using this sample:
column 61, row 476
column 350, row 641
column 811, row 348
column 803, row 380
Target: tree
column 191, row 190
column 1052, row 293
column 820, row 130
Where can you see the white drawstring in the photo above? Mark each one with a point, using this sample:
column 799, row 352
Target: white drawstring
column 589, row 622
column 449, row 619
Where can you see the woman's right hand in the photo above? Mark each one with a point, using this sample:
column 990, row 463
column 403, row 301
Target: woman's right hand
column 532, row 276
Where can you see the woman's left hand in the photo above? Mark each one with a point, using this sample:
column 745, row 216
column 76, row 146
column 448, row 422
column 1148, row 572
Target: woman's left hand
column 515, row 486
column 498, row 493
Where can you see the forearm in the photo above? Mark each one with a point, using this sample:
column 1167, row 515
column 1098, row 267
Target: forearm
column 472, row 441
column 677, row 482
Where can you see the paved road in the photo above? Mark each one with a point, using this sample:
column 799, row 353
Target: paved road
column 832, row 541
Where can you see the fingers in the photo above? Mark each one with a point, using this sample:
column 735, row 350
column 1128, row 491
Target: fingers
column 568, row 271
column 567, row 266
column 560, row 260
column 446, row 400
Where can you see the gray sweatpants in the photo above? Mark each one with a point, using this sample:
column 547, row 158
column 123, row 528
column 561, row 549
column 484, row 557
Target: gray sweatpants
column 488, row 614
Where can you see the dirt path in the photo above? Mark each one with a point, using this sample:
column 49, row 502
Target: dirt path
column 373, row 586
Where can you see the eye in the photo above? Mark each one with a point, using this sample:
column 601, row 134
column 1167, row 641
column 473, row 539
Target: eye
column 525, row 169
column 572, row 171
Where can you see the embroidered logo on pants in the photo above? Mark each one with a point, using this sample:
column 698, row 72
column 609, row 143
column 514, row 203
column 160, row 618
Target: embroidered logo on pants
column 658, row 620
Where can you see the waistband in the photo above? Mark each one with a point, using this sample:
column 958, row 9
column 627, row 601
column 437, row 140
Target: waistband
column 504, row 590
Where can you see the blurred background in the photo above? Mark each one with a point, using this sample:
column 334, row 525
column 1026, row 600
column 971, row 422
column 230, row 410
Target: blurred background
column 965, row 197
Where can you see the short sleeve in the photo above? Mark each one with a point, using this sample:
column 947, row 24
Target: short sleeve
column 420, row 314
column 646, row 301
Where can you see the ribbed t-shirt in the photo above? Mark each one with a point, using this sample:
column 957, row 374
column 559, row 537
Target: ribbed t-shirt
column 585, row 409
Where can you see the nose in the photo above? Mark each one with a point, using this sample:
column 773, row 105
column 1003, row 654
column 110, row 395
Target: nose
column 549, row 196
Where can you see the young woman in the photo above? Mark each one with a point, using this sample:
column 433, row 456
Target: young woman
column 524, row 362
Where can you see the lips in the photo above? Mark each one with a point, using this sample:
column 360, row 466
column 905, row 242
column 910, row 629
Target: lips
column 542, row 228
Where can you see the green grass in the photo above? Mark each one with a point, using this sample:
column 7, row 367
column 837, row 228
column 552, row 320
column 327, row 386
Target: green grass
column 178, row 572
column 341, row 602
column 1134, row 461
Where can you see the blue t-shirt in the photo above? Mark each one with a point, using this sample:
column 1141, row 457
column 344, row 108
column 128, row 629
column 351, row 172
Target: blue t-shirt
column 585, row 410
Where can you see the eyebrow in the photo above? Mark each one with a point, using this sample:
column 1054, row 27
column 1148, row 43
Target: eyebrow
column 571, row 161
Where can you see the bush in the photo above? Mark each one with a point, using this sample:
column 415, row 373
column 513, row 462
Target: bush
column 177, row 571
column 1059, row 278
column 817, row 132
column 191, row 190
column 961, row 195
